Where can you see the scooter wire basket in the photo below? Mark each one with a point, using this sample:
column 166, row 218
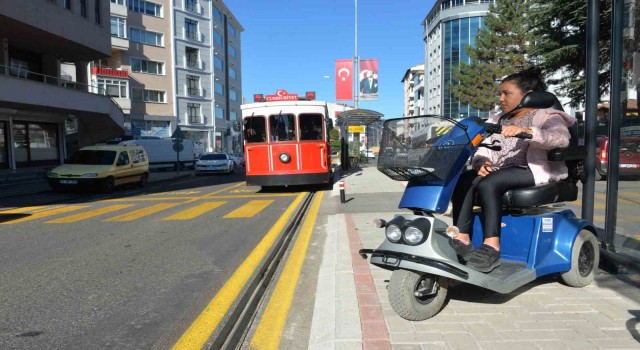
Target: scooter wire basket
column 423, row 148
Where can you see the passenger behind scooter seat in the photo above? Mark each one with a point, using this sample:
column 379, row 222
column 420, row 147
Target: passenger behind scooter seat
column 520, row 163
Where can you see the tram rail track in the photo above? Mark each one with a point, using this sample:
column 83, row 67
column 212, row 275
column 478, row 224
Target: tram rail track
column 232, row 333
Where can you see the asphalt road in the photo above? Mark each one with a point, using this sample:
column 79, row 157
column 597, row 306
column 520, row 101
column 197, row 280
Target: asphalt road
column 131, row 270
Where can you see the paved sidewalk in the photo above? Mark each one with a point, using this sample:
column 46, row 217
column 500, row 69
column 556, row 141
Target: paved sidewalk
column 352, row 310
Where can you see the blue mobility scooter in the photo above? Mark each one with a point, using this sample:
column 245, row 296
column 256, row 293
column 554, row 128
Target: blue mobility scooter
column 539, row 237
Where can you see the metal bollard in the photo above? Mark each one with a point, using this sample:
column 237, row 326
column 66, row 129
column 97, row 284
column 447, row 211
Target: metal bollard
column 341, row 187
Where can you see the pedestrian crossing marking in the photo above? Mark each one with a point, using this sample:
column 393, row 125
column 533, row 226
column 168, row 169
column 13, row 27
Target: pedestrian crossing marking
column 89, row 214
column 47, row 213
column 249, row 210
column 195, row 211
column 441, row 130
column 137, row 214
column 25, row 210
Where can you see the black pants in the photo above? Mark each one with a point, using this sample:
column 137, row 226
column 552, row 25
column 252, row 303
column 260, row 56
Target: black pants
column 489, row 191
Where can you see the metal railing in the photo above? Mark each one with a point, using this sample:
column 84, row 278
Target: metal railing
column 61, row 81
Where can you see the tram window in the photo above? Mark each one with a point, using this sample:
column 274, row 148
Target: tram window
column 255, row 129
column 310, row 126
column 282, row 127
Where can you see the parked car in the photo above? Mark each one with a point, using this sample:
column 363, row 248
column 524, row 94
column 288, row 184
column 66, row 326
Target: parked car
column 162, row 153
column 629, row 156
column 238, row 158
column 370, row 154
column 101, row 167
column 214, row 163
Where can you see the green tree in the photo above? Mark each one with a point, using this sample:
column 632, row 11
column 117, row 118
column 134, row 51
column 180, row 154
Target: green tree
column 334, row 140
column 560, row 28
column 502, row 47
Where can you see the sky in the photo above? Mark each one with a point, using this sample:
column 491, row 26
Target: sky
column 293, row 45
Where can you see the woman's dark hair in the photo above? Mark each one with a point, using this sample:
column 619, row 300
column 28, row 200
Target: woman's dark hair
column 529, row 79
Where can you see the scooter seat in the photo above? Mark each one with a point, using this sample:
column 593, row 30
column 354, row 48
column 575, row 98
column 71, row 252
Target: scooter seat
column 553, row 192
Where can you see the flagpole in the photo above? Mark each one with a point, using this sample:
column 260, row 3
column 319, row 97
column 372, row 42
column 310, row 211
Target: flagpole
column 356, row 62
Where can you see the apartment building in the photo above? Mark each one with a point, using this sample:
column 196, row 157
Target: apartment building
column 175, row 63
column 448, row 28
column 413, row 86
column 43, row 112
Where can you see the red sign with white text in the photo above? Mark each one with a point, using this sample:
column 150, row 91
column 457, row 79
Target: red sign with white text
column 344, row 79
column 282, row 95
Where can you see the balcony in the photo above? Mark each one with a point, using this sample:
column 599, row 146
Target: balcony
column 119, row 9
column 119, row 43
column 110, row 72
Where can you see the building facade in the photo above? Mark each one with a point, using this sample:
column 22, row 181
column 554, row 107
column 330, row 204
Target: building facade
column 448, row 28
column 176, row 63
column 413, row 83
column 45, row 113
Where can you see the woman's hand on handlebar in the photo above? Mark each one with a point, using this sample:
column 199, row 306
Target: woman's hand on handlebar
column 485, row 169
column 516, row 131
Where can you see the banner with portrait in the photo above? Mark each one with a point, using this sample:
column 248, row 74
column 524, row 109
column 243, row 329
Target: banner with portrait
column 368, row 79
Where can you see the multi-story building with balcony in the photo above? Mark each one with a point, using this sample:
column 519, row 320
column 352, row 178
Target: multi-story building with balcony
column 448, row 28
column 413, row 82
column 175, row 63
column 44, row 112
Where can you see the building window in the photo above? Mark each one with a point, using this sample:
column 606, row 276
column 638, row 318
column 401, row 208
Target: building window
column 217, row 37
column 83, row 8
column 66, row 4
column 146, row 7
column 145, row 37
column 193, row 112
column 217, row 14
column 118, row 27
column 191, row 57
column 119, row 2
column 233, row 95
column 191, row 29
column 232, row 30
column 97, row 12
column 232, row 73
column 219, row 113
column 144, row 95
column 149, row 67
column 219, row 88
column 193, row 85
column 232, row 51
column 113, row 87
column 218, row 63
column 191, row 5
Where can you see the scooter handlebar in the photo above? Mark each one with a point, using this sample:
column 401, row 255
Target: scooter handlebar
column 497, row 128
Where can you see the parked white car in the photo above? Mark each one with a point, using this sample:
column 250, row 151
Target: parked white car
column 214, row 163
column 238, row 158
column 370, row 154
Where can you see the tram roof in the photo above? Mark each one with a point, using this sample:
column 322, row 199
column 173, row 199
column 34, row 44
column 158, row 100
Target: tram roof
column 358, row 117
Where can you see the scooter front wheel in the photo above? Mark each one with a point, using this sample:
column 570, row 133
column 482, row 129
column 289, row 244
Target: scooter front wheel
column 417, row 296
column 585, row 257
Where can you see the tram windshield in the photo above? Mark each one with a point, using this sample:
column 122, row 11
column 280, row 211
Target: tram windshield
column 282, row 127
column 310, row 127
column 255, row 129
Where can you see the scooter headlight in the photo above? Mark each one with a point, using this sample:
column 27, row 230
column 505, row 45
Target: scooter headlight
column 413, row 235
column 393, row 232
column 416, row 231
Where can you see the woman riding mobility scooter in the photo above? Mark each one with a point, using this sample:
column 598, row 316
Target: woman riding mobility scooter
column 539, row 237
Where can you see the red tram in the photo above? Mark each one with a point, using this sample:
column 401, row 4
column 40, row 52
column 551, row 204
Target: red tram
column 286, row 140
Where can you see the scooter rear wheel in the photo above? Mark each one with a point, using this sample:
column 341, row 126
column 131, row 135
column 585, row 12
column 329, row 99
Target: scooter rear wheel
column 585, row 257
column 417, row 296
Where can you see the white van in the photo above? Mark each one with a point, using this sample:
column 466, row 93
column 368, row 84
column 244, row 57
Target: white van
column 162, row 154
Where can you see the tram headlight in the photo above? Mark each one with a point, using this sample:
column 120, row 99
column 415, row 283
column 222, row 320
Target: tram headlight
column 393, row 232
column 284, row 157
column 417, row 231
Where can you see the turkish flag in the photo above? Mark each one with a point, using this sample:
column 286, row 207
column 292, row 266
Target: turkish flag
column 344, row 79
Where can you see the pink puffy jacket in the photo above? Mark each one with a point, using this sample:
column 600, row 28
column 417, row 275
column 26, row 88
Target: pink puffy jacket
column 550, row 130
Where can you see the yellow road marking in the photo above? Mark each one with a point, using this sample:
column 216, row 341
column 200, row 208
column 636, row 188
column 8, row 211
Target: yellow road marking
column 195, row 211
column 249, row 210
column 267, row 335
column 89, row 214
column 23, row 210
column 47, row 213
column 137, row 214
column 206, row 323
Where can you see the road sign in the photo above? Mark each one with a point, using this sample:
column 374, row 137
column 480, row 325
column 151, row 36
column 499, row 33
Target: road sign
column 356, row 128
column 178, row 146
column 178, row 134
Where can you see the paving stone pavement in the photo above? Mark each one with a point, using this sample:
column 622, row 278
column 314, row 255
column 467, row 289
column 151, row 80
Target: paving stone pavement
column 545, row 314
